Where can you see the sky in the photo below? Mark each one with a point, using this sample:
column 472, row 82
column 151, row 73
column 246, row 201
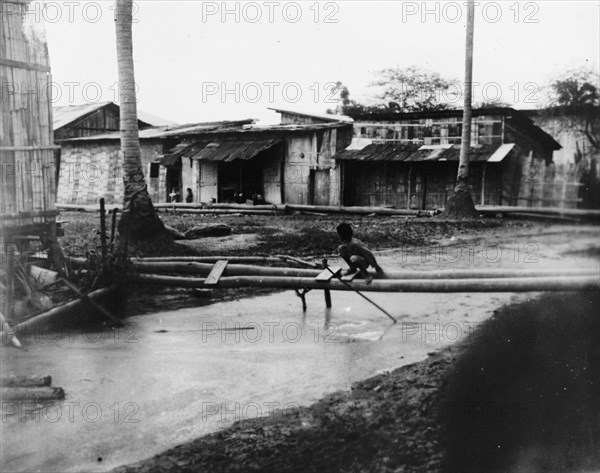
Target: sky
column 199, row 61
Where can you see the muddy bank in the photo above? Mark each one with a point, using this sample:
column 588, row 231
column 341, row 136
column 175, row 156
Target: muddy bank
column 520, row 394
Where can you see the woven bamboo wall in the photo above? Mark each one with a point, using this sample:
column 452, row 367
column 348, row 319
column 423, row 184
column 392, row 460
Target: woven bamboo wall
column 91, row 169
column 27, row 166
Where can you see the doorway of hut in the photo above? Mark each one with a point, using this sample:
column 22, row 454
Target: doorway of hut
column 240, row 181
column 173, row 181
column 318, row 181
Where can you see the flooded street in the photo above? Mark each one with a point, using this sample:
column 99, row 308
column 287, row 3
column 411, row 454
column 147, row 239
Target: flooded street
column 169, row 377
column 172, row 376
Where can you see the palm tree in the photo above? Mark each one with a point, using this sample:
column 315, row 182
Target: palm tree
column 460, row 204
column 139, row 219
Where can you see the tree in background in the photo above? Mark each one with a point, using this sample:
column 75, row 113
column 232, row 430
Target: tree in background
column 460, row 203
column 576, row 94
column 413, row 89
column 577, row 87
column 139, row 220
column 410, row 89
column 576, row 91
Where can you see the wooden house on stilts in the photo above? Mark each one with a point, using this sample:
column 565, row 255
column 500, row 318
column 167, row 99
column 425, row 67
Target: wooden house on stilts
column 27, row 150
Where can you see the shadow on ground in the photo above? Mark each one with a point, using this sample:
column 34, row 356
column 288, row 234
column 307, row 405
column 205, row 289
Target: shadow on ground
column 525, row 395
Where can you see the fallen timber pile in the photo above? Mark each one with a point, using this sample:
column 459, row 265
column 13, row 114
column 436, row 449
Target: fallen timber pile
column 522, row 284
column 270, row 209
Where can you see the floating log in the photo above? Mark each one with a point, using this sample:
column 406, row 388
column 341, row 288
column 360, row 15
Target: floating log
column 21, row 381
column 537, row 284
column 45, row 393
column 203, row 269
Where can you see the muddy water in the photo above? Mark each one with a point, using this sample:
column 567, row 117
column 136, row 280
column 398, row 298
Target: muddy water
column 172, row 376
column 169, row 377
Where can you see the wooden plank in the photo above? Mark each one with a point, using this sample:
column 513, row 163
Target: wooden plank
column 44, row 393
column 328, row 273
column 215, row 273
column 24, row 65
column 351, row 276
column 28, row 148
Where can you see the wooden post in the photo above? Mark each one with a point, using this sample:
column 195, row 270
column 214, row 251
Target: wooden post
column 408, row 185
column 327, row 292
column 10, row 279
column 483, row 184
column 103, row 232
column 113, row 226
column 465, row 142
column 302, row 296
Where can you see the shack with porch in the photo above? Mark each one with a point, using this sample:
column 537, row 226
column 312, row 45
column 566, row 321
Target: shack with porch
column 410, row 160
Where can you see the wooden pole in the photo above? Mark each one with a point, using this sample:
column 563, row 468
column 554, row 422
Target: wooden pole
column 571, row 283
column 208, row 259
column 327, row 292
column 463, row 160
column 482, row 201
column 103, row 233
column 408, row 185
column 363, row 296
column 100, row 309
column 113, row 226
column 10, row 279
column 49, row 316
column 203, row 269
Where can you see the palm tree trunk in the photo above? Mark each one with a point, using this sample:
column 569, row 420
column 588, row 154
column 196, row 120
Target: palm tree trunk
column 460, row 204
column 139, row 219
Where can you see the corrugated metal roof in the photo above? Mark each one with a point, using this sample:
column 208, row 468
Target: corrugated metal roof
column 154, row 120
column 323, row 116
column 63, row 115
column 217, row 150
column 378, row 152
column 413, row 153
column 239, row 126
column 231, row 150
column 169, row 160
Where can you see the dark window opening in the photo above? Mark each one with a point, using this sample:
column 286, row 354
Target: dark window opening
column 154, row 167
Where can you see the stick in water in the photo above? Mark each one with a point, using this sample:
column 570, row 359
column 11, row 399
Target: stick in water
column 363, row 296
